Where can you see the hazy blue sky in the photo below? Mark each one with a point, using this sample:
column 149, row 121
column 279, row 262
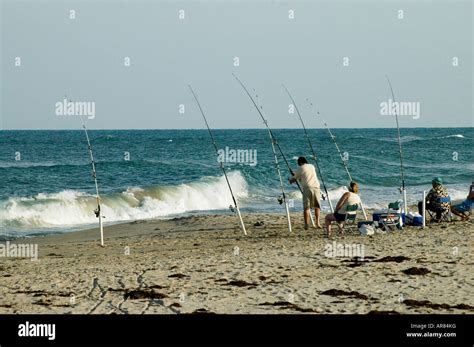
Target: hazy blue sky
column 85, row 58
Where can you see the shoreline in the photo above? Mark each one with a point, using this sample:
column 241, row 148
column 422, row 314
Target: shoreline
column 62, row 236
column 205, row 264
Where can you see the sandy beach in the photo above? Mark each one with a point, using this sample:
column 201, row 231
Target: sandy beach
column 206, row 265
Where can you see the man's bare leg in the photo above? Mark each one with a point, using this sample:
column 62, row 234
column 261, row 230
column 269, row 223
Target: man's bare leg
column 317, row 214
column 306, row 213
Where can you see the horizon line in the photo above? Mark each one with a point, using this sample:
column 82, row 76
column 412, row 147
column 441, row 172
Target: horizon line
column 190, row 129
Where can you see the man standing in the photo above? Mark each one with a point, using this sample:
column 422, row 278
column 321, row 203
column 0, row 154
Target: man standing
column 306, row 175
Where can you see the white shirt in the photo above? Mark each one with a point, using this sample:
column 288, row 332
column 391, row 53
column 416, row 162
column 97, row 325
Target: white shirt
column 353, row 199
column 306, row 174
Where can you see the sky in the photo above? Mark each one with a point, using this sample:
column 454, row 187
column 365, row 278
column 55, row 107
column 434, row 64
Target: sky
column 85, row 57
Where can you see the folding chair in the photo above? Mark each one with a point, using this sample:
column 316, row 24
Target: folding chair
column 351, row 215
column 392, row 219
column 464, row 207
column 469, row 212
column 445, row 214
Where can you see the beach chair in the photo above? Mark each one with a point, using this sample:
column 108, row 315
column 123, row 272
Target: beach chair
column 351, row 215
column 469, row 206
column 468, row 212
column 464, row 207
column 391, row 220
column 445, row 214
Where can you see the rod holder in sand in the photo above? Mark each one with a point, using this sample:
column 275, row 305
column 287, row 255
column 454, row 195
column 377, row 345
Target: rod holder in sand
column 101, row 227
column 288, row 219
column 423, row 209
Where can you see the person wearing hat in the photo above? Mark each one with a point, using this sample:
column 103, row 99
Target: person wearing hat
column 432, row 200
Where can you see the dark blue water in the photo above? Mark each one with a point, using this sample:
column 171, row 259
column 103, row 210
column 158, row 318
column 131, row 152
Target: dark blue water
column 173, row 172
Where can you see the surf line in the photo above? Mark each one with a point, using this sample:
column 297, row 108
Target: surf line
column 400, row 150
column 221, row 163
column 315, row 158
column 98, row 210
column 344, row 162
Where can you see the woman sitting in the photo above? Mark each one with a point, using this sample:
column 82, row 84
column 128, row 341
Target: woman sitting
column 346, row 201
column 434, row 200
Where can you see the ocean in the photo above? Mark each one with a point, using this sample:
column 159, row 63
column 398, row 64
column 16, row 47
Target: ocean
column 47, row 186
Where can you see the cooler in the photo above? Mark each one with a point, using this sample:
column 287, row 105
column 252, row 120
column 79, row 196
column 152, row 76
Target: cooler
column 414, row 219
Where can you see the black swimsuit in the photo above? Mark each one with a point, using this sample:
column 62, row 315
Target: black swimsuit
column 339, row 217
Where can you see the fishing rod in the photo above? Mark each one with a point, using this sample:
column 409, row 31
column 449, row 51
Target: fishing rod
column 344, row 162
column 282, row 154
column 242, row 225
column 402, row 188
column 315, row 158
column 273, row 142
column 285, row 160
column 98, row 210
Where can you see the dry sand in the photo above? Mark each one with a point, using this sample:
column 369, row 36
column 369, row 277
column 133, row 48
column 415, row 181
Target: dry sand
column 205, row 265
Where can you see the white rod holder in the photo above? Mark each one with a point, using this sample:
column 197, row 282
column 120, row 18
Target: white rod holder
column 424, row 209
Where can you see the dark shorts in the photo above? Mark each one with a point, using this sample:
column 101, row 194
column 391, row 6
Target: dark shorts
column 339, row 217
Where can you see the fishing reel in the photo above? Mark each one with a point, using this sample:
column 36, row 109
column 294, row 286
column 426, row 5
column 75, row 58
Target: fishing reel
column 324, row 196
column 280, row 200
column 97, row 212
column 232, row 208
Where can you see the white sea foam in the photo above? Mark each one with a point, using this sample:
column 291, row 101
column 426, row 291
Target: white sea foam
column 457, row 135
column 25, row 164
column 70, row 208
column 336, row 193
column 410, row 138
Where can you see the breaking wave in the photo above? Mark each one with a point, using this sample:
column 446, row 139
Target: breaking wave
column 411, row 138
column 71, row 207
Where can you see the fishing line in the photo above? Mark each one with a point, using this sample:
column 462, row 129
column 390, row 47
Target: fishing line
column 315, row 158
column 274, row 143
column 402, row 173
column 98, row 210
column 221, row 164
column 344, row 163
